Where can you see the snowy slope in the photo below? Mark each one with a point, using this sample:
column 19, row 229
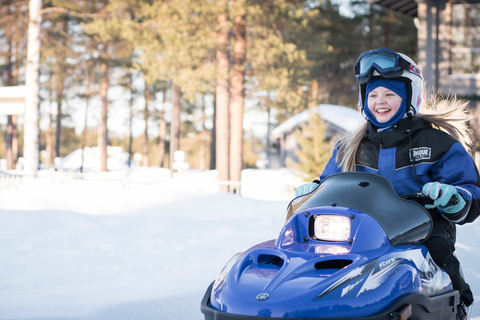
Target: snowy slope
column 138, row 245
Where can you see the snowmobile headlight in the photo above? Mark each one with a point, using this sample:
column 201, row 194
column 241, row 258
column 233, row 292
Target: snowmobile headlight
column 331, row 228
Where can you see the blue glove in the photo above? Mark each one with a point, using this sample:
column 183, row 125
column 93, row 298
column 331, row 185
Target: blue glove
column 305, row 188
column 442, row 193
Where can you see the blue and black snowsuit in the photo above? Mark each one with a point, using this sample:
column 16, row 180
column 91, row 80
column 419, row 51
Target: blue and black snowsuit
column 411, row 154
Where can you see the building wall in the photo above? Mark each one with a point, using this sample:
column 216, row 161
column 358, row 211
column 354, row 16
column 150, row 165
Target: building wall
column 434, row 50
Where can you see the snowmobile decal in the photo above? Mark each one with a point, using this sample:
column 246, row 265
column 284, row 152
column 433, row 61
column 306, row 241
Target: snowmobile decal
column 375, row 274
column 352, row 275
column 380, row 274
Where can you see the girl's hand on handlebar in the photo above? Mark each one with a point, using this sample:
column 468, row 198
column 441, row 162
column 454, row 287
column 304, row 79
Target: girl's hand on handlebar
column 442, row 195
column 305, row 188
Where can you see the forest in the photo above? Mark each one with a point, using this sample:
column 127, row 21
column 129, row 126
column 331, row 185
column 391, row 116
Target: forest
column 186, row 72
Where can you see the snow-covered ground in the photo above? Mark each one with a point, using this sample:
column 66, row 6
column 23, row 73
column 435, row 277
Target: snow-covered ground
column 139, row 244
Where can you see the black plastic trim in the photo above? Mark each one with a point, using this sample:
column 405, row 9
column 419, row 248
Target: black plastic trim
column 440, row 307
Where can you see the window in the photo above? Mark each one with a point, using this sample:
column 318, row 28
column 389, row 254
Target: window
column 465, row 57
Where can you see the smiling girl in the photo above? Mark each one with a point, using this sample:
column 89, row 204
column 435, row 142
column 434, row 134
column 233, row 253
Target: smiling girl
column 418, row 144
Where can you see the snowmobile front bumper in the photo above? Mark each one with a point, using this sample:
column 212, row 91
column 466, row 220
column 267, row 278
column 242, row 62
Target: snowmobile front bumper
column 414, row 306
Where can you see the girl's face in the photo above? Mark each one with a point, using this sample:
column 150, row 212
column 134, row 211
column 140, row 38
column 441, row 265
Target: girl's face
column 383, row 103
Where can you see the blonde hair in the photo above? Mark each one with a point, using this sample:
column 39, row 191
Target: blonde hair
column 448, row 114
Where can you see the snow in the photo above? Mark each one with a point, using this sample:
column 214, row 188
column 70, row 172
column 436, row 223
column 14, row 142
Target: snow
column 138, row 244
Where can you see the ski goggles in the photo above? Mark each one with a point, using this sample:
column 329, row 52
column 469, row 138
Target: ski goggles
column 386, row 62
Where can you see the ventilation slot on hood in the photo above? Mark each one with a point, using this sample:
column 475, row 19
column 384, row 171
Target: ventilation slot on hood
column 270, row 259
column 332, row 264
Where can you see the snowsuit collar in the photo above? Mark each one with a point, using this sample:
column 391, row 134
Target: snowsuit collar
column 397, row 134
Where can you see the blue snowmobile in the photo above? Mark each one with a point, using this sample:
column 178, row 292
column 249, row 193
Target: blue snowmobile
column 351, row 249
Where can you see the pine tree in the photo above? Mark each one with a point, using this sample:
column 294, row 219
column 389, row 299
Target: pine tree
column 314, row 151
column 275, row 55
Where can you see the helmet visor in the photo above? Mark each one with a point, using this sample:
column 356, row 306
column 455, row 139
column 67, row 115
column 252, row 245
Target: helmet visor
column 386, row 62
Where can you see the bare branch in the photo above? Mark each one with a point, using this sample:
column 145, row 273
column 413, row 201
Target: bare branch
column 72, row 13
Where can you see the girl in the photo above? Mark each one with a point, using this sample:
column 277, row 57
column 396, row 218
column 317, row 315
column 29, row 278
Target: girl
column 415, row 145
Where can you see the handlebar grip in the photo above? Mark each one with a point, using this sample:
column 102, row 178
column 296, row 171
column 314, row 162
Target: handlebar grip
column 453, row 200
column 421, row 199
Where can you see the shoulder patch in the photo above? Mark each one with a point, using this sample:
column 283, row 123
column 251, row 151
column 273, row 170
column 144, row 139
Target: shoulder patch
column 422, row 153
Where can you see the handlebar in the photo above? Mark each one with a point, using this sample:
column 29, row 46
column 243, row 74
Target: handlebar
column 423, row 200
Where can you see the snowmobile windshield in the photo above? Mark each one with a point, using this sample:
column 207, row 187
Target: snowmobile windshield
column 403, row 221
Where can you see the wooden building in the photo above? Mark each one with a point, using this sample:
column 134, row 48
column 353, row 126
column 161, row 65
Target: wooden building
column 448, row 42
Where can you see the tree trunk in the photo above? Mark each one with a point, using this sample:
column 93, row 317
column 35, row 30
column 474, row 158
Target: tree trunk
column 145, row 112
column 203, row 140
column 162, row 132
column 58, row 132
column 48, row 135
column 222, row 107
column 11, row 142
column 87, row 102
column 213, row 140
column 102, row 128
column 174, row 125
column 14, row 141
column 8, row 141
column 31, row 126
column 371, row 26
column 176, row 117
column 236, row 103
column 386, row 36
column 49, row 144
column 130, row 139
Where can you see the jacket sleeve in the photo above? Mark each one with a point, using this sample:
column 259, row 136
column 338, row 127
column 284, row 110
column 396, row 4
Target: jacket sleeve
column 331, row 166
column 457, row 168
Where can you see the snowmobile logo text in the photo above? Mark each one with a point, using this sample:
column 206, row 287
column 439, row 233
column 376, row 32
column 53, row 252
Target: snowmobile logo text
column 422, row 153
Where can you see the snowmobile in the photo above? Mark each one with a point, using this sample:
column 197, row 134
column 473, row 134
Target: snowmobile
column 350, row 249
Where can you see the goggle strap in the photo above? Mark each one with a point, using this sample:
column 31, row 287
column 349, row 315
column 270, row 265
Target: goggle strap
column 404, row 64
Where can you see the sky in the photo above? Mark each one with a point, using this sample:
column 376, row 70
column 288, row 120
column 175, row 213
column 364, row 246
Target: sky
column 139, row 244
